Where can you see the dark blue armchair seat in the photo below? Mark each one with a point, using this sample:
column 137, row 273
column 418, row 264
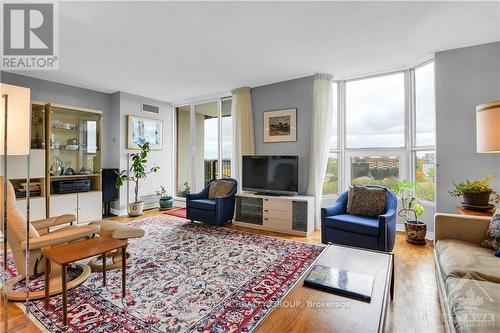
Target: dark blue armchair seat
column 376, row 233
column 216, row 211
column 206, row 204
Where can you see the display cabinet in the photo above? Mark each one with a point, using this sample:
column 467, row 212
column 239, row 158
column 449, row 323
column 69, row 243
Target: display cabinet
column 73, row 167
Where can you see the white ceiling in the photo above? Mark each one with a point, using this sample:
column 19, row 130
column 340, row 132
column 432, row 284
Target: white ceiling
column 174, row 51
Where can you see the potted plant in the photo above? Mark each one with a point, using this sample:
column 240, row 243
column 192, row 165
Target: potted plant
column 476, row 194
column 166, row 201
column 138, row 171
column 411, row 210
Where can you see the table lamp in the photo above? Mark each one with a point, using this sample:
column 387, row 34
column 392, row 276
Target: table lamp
column 488, row 127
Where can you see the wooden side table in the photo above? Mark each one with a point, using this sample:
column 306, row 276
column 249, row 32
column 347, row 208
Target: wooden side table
column 465, row 211
column 68, row 253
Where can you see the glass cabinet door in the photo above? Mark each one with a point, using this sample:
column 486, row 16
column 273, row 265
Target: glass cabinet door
column 37, row 126
column 74, row 142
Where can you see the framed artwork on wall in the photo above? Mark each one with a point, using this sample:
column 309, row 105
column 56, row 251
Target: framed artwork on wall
column 141, row 130
column 280, row 125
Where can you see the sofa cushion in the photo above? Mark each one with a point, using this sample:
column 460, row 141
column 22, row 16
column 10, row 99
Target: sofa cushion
column 353, row 223
column 366, row 201
column 220, row 188
column 205, row 204
column 475, row 304
column 493, row 237
column 467, row 260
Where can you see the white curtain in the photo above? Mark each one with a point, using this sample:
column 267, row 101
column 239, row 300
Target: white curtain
column 320, row 137
column 243, row 137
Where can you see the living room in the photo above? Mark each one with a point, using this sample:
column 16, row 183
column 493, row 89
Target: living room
column 199, row 166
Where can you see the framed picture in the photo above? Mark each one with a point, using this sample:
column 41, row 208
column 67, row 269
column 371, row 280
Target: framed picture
column 280, row 125
column 142, row 130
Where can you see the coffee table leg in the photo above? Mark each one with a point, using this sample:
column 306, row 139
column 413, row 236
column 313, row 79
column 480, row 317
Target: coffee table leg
column 392, row 278
column 124, row 267
column 47, row 279
column 104, row 269
column 64, row 295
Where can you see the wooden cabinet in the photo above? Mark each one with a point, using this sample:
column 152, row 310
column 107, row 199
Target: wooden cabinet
column 63, row 204
column 37, row 208
column 86, row 206
column 89, row 207
column 285, row 214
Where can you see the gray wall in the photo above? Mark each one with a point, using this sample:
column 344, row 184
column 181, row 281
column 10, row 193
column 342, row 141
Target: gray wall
column 298, row 94
column 52, row 92
column 465, row 78
column 129, row 104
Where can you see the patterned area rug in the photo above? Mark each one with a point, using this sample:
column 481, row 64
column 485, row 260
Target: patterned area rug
column 186, row 277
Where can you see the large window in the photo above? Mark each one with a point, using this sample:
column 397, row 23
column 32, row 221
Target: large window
column 383, row 131
column 375, row 112
column 204, row 144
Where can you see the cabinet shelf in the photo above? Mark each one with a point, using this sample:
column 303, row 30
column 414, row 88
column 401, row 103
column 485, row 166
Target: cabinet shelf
column 75, row 176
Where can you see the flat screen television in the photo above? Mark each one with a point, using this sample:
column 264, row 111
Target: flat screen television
column 271, row 174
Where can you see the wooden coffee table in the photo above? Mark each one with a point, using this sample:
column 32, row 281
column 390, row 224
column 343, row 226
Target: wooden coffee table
column 69, row 253
column 306, row 309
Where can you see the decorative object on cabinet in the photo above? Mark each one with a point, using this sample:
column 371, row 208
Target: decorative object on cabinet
column 143, row 130
column 280, row 125
column 139, row 171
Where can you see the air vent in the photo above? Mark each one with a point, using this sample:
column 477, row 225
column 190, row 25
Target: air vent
column 150, row 108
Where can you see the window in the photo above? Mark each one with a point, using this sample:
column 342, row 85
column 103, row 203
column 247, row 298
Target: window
column 375, row 112
column 424, row 105
column 183, row 154
column 370, row 142
column 226, row 137
column 425, row 175
column 424, row 155
column 374, row 170
column 330, row 184
column 204, row 144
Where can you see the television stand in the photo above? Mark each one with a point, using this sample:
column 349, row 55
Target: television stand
column 273, row 194
column 275, row 212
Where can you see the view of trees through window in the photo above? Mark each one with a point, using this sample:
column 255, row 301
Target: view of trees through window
column 425, row 175
column 374, row 170
column 330, row 185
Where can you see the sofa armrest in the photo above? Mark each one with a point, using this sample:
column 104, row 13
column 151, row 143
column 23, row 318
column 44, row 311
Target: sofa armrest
column 471, row 229
column 390, row 216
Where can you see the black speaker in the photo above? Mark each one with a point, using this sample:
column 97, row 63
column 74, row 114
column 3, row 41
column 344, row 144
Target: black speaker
column 109, row 190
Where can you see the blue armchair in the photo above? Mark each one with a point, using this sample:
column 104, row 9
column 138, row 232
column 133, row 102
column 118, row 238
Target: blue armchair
column 212, row 211
column 376, row 233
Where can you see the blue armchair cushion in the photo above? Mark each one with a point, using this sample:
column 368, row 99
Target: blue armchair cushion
column 220, row 188
column 354, row 223
column 206, row 204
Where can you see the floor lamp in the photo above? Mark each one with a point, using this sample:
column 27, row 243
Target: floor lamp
column 15, row 112
column 488, row 127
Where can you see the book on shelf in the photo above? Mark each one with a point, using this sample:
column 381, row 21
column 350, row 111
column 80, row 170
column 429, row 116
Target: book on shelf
column 342, row 282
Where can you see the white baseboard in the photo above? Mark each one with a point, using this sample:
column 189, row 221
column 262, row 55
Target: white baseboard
column 428, row 236
column 118, row 212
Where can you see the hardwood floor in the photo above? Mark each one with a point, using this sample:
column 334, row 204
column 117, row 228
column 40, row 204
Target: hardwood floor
column 415, row 307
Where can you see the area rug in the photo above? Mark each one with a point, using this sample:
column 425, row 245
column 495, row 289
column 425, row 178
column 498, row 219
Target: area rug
column 185, row 277
column 179, row 212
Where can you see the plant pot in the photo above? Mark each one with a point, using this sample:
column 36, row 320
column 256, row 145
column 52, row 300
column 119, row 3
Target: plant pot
column 166, row 203
column 415, row 232
column 136, row 208
column 476, row 199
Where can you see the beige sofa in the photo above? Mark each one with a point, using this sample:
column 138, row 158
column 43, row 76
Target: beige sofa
column 468, row 275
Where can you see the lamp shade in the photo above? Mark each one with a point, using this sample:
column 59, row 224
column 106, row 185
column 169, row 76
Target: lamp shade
column 18, row 119
column 488, row 127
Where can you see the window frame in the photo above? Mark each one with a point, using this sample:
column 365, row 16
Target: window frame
column 406, row 153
